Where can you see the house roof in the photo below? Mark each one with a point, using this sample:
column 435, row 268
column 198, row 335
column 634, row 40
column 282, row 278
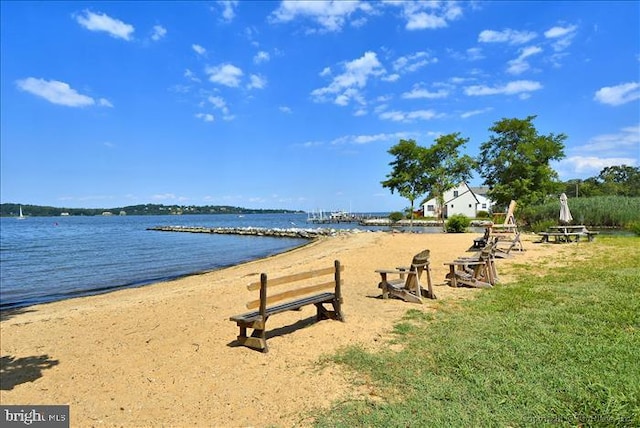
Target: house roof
column 464, row 188
column 480, row 190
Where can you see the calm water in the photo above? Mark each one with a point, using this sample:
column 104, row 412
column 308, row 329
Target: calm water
column 44, row 259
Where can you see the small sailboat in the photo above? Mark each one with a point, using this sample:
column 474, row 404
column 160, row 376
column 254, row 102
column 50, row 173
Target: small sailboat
column 21, row 216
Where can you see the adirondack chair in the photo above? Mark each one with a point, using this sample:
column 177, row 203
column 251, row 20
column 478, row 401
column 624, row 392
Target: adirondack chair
column 407, row 287
column 489, row 254
column 507, row 232
column 509, row 222
column 504, row 247
column 475, row 271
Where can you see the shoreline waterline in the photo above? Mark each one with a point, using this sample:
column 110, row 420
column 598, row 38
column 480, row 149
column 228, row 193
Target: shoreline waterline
column 53, row 298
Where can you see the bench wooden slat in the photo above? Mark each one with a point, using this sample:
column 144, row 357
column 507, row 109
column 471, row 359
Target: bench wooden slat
column 292, row 278
column 288, row 306
column 293, row 293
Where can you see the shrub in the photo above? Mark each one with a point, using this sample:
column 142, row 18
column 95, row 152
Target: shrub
column 542, row 225
column 634, row 226
column 396, row 216
column 457, row 223
column 483, row 214
column 603, row 211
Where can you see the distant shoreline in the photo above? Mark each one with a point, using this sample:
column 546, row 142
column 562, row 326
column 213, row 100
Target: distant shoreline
column 13, row 210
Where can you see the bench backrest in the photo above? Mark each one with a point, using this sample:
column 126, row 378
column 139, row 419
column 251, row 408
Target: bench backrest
column 510, row 217
column 316, row 281
column 419, row 263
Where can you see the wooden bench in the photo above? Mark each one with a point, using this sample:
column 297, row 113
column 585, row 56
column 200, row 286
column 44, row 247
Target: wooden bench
column 294, row 297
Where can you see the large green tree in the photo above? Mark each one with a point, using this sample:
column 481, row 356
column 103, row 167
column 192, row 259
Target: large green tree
column 407, row 175
column 444, row 167
column 514, row 162
column 435, row 169
column 620, row 180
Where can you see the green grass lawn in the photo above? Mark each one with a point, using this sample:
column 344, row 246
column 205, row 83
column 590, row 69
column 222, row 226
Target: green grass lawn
column 558, row 350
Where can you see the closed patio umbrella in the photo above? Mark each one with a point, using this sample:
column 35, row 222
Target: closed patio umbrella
column 565, row 214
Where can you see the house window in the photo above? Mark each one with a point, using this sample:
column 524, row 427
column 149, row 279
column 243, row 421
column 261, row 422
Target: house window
column 455, row 194
column 484, row 206
column 469, row 205
column 451, row 205
column 431, row 208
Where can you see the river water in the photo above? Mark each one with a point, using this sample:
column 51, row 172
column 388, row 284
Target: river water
column 44, row 259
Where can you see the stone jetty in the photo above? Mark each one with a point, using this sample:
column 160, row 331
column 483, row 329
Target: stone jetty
column 257, row 231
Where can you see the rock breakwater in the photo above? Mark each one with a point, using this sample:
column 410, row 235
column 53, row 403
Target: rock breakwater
column 258, row 231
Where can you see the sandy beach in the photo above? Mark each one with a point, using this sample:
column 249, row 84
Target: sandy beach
column 165, row 354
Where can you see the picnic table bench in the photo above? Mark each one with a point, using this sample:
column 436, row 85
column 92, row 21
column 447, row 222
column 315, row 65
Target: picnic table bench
column 317, row 291
column 567, row 234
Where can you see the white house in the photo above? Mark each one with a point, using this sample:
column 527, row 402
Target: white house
column 460, row 200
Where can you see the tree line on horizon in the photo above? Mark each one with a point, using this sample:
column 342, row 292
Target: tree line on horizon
column 514, row 164
column 12, row 209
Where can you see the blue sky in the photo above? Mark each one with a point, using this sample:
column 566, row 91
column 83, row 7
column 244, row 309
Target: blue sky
column 295, row 104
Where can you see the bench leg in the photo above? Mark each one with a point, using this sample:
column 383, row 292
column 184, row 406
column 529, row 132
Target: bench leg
column 452, row 276
column 257, row 340
column 322, row 313
column 384, row 285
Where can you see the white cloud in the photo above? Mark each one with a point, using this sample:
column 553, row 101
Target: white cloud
column 619, row 148
column 413, row 62
column 368, row 139
column 228, row 6
column 555, row 32
column 418, row 93
column 474, row 54
column 627, row 140
column 59, row 93
column 206, row 117
column 221, row 104
column 391, row 77
column 402, row 116
column 198, row 49
column 520, row 65
column 158, row 32
column 261, row 57
column 619, row 94
column 101, row 22
column 562, row 36
column 285, row 109
column 191, row 76
column 509, row 36
column 225, row 74
column 590, row 165
column 256, row 82
column 423, row 20
column 511, row 88
column 471, row 113
column 331, row 16
column 355, row 76
column 427, row 15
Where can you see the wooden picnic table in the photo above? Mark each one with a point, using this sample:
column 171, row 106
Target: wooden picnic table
column 567, row 233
